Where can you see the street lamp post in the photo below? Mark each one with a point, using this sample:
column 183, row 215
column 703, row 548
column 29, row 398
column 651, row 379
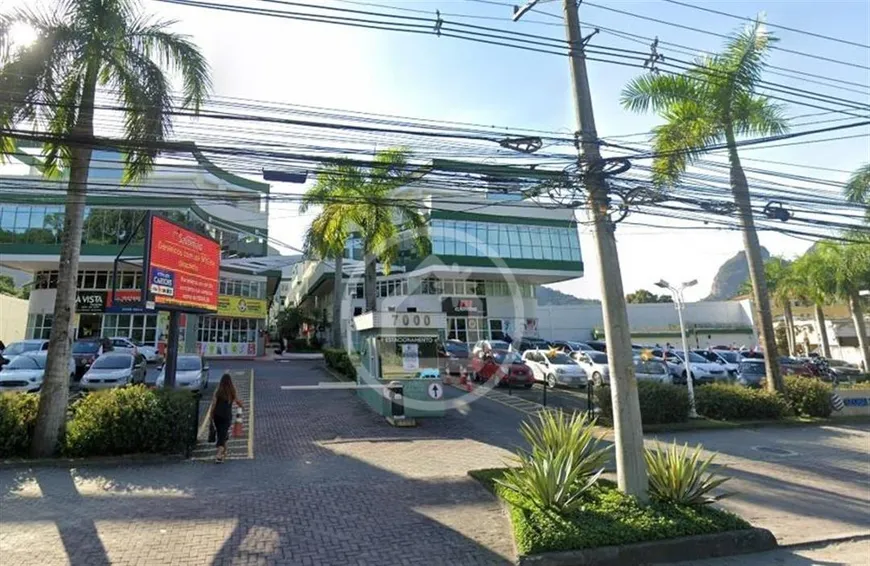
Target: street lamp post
column 677, row 293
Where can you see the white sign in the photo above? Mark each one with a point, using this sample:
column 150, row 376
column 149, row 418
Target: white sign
column 410, row 357
column 436, row 390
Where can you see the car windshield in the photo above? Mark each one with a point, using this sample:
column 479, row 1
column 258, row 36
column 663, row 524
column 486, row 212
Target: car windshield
column 693, row 358
column 86, row 347
column 113, row 362
column 560, row 359
column 454, row 348
column 752, row 368
column 581, row 346
column 730, row 357
column 19, row 348
column 27, row 362
column 597, row 357
column 136, row 342
column 507, row 358
column 652, row 368
column 499, row 345
column 189, row 363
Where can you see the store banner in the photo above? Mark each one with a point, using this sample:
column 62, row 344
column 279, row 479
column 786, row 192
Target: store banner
column 463, row 306
column 241, row 307
column 89, row 302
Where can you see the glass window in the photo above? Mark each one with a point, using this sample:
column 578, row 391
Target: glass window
column 101, row 280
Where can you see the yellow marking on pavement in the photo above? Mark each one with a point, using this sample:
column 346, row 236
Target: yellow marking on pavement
column 251, row 418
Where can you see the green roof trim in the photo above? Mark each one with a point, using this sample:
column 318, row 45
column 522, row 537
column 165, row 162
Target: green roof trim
column 539, row 264
column 132, row 250
column 476, row 217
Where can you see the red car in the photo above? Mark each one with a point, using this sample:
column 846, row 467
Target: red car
column 503, row 362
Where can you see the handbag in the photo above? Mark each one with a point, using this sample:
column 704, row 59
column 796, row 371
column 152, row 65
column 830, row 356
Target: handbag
column 212, row 432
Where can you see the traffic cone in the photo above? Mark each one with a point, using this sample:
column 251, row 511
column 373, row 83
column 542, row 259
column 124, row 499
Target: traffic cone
column 237, row 424
column 463, row 378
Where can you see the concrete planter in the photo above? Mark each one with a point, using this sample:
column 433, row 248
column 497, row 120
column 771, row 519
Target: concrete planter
column 856, row 401
column 698, row 547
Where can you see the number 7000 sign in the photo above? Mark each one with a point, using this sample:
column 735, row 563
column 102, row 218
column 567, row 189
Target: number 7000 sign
column 412, row 320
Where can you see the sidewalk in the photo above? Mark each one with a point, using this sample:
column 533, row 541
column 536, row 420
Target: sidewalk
column 851, row 553
column 237, row 448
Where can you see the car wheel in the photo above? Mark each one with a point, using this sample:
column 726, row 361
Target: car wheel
column 551, row 381
column 596, row 379
column 528, row 385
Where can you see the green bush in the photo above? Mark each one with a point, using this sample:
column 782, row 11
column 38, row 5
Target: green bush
column 564, row 462
column 303, row 345
column 808, row 397
column 660, row 403
column 728, row 402
column 17, row 421
column 131, row 420
column 339, row 361
column 678, row 478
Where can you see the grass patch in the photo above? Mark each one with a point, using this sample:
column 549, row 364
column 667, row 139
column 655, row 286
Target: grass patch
column 607, row 518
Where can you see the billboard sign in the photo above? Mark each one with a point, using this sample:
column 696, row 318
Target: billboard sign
column 241, row 307
column 183, row 267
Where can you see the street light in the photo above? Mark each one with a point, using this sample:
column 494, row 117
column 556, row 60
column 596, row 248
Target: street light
column 677, row 293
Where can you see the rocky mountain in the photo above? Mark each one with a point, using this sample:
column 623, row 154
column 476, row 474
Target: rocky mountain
column 547, row 296
column 731, row 275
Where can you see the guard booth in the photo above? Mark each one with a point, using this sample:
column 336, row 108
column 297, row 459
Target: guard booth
column 400, row 365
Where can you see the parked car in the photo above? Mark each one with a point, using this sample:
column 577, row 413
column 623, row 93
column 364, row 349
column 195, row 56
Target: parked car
column 17, row 348
column 454, row 355
column 152, row 356
column 598, row 345
column 594, row 364
column 554, row 368
column 191, row 372
column 26, row 372
column 568, row 346
column 728, row 360
column 702, row 370
column 124, row 344
column 85, row 352
column 530, row 343
column 517, row 373
column 493, row 344
column 751, row 372
column 652, row 370
column 844, row 370
column 114, row 369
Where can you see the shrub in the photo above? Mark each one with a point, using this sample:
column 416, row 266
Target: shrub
column 131, row 420
column 732, row 402
column 339, row 361
column 678, row 479
column 808, row 397
column 17, row 421
column 660, row 403
column 564, row 462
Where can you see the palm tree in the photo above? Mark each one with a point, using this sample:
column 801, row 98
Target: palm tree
column 850, row 266
column 783, row 288
column 858, row 188
column 816, row 287
column 715, row 101
column 382, row 218
column 83, row 45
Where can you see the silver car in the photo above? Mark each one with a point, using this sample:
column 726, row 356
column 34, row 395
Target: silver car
column 191, row 373
column 26, row 372
column 114, row 370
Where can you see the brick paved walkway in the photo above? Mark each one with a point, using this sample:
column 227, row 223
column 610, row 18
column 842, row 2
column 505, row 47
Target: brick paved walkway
column 237, row 448
column 330, row 483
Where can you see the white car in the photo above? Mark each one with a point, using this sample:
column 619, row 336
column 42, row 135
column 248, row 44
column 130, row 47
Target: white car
column 702, row 370
column 17, row 348
column 191, row 373
column 729, row 360
column 652, row 370
column 114, row 369
column 121, row 344
column 595, row 365
column 493, row 344
column 152, row 356
column 27, row 371
column 554, row 368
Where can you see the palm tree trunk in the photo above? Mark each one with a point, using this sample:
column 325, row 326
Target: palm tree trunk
column 823, row 332
column 337, row 296
column 761, row 298
column 789, row 327
column 857, row 311
column 371, row 281
column 50, row 418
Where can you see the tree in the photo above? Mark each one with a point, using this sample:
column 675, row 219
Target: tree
column 713, row 102
column 849, row 264
column 816, row 285
column 644, row 296
column 52, row 83
column 382, row 218
column 7, row 286
column 290, row 320
column 784, row 288
column 858, row 188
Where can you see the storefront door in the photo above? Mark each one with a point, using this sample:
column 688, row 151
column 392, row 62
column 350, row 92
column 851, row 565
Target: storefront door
column 90, row 326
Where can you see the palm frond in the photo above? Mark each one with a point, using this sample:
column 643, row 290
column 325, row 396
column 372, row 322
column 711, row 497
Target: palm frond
column 754, row 115
column 689, row 129
column 745, row 54
column 857, row 189
column 658, row 92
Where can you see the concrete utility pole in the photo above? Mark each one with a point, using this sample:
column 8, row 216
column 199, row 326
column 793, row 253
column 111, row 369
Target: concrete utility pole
column 630, row 464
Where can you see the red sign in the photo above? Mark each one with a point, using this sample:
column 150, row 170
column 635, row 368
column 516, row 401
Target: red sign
column 184, row 267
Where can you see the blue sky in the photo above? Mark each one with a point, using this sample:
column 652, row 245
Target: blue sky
column 449, row 79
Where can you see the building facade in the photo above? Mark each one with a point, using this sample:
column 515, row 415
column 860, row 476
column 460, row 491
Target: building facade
column 488, row 253
column 231, row 209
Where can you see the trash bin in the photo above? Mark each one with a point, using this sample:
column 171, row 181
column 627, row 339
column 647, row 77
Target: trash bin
column 395, row 390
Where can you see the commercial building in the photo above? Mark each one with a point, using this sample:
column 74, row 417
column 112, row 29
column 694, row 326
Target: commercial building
column 489, row 252
column 198, row 194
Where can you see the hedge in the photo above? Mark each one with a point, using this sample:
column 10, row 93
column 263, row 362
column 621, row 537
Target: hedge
column 339, row 361
column 131, row 420
column 808, row 397
column 660, row 403
column 728, row 402
column 17, row 421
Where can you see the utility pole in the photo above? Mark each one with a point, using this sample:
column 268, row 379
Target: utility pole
column 630, row 464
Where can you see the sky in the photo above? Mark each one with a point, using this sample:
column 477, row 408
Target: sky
column 424, row 76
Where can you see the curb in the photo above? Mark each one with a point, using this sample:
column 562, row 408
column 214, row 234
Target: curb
column 698, row 547
column 108, row 461
column 335, row 375
column 857, row 537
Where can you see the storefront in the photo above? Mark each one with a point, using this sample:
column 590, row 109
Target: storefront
column 235, row 330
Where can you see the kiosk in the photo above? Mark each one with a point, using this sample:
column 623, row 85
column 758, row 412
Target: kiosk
column 399, row 377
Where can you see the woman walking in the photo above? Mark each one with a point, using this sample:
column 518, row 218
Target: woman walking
column 222, row 413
